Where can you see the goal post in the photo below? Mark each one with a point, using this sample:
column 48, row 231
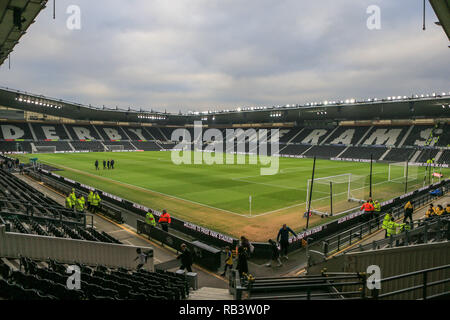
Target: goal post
column 45, row 149
column 116, row 147
column 400, row 172
column 334, row 194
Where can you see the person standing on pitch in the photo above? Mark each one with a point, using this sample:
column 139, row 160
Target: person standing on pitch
column 283, row 239
column 108, row 163
column 112, row 164
column 96, row 165
column 104, row 164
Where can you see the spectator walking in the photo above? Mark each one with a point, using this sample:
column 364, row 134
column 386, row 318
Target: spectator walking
column 142, row 256
column 228, row 261
column 283, row 239
column 186, row 258
column 242, row 264
column 409, row 209
column 244, row 242
column 275, row 254
column 165, row 220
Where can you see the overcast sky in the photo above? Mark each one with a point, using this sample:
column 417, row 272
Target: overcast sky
column 217, row 54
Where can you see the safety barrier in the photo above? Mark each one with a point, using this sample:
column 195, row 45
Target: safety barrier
column 203, row 254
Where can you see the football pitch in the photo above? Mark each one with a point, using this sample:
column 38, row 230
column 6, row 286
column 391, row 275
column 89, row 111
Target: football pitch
column 218, row 196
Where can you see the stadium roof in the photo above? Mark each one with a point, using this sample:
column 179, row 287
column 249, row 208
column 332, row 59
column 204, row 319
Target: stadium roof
column 401, row 107
column 442, row 9
column 12, row 13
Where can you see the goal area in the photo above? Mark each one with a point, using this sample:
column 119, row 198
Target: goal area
column 333, row 195
column 45, row 149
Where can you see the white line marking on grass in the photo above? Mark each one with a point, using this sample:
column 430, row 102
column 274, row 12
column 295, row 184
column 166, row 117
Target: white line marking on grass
column 146, row 189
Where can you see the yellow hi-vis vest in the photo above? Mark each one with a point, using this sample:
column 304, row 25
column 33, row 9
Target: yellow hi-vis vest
column 90, row 197
column 96, row 200
column 386, row 220
column 150, row 219
column 377, row 207
column 69, row 202
column 79, row 205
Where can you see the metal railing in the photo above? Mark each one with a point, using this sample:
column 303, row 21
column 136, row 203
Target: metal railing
column 424, row 230
column 423, row 287
column 324, row 286
column 348, row 237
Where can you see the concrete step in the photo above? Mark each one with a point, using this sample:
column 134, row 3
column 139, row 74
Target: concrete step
column 207, row 293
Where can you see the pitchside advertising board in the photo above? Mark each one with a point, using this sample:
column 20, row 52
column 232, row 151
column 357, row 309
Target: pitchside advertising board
column 214, row 238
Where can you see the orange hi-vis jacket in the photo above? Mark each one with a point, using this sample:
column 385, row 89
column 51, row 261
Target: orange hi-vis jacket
column 367, row 207
column 165, row 218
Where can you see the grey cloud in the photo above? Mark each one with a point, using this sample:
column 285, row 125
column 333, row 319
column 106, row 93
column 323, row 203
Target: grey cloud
column 202, row 54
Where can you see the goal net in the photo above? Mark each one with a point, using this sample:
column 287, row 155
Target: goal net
column 118, row 147
column 398, row 171
column 45, row 149
column 335, row 194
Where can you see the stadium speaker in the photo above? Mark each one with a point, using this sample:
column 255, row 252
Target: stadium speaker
column 17, row 20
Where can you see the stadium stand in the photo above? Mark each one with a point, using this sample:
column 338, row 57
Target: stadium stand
column 311, row 136
column 59, row 145
column 346, row 135
column 294, row 149
column 83, row 132
column 396, row 143
column 363, row 153
column 41, row 280
column 399, row 154
column 324, row 152
column 50, row 131
column 94, row 146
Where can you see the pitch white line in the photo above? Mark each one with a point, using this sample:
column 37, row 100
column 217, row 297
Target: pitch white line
column 146, row 189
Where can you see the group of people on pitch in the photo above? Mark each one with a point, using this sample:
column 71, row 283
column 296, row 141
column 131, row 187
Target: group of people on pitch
column 107, row 164
column 78, row 204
